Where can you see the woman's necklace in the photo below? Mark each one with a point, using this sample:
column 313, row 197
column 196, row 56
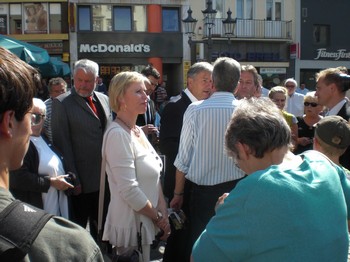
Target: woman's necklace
column 134, row 129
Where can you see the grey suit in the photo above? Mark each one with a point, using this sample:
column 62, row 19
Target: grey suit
column 78, row 133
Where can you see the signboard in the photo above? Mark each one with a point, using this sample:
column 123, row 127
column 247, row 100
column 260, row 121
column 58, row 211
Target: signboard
column 35, row 18
column 340, row 54
column 51, row 47
column 273, row 70
column 294, row 51
column 129, row 45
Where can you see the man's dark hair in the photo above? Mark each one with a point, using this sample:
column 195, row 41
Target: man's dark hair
column 56, row 81
column 150, row 71
column 18, row 84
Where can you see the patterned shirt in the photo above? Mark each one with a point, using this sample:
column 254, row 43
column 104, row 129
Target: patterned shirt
column 47, row 124
column 201, row 153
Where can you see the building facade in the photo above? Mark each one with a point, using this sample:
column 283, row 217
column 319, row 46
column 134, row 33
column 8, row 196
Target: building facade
column 263, row 33
column 322, row 38
column 42, row 23
column 129, row 35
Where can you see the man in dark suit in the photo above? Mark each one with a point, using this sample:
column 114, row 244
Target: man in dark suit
column 331, row 88
column 146, row 120
column 78, row 121
column 199, row 87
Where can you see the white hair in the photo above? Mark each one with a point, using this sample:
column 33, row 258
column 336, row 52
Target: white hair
column 39, row 104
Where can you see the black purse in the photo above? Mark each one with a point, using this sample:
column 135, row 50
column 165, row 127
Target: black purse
column 133, row 257
column 136, row 254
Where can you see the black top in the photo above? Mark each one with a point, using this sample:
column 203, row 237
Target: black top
column 304, row 130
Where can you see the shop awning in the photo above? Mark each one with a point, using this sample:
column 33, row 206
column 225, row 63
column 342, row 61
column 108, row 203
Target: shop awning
column 36, row 57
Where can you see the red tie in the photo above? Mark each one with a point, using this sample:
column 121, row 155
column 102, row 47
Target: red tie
column 92, row 105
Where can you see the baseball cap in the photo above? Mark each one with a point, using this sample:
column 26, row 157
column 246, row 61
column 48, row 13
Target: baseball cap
column 334, row 131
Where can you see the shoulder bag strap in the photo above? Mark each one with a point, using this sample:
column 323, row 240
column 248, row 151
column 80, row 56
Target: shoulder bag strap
column 102, row 186
column 20, row 223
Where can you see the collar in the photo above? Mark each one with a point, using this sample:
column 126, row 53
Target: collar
column 335, row 109
column 190, row 95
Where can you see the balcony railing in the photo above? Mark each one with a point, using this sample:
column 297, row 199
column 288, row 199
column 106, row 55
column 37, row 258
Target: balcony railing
column 247, row 28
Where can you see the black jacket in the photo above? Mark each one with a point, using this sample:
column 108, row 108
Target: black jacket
column 25, row 183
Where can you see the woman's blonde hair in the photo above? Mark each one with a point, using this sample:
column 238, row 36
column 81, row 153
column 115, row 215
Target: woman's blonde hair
column 118, row 86
column 278, row 89
column 310, row 95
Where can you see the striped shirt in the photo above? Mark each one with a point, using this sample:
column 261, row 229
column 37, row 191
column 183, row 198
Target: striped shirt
column 47, row 124
column 201, row 155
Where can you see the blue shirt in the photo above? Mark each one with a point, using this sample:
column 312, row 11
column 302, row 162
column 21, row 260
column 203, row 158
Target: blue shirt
column 282, row 215
column 201, row 153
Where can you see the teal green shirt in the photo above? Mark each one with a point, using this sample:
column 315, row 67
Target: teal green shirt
column 282, row 215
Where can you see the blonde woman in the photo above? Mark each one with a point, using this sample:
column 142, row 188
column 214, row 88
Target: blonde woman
column 133, row 169
column 278, row 95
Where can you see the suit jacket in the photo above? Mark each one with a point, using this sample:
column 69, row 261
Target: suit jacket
column 78, row 133
column 169, row 138
column 345, row 158
column 141, row 119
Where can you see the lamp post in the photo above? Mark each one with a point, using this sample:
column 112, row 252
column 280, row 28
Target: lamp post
column 209, row 22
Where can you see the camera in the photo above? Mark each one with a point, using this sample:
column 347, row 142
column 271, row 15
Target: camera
column 177, row 218
column 71, row 179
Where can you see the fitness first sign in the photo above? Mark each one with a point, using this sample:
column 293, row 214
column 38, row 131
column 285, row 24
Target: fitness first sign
column 340, row 54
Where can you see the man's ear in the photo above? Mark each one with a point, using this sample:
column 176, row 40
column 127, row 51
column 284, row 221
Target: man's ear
column 6, row 124
column 243, row 151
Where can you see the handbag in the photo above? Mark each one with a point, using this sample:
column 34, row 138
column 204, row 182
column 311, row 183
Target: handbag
column 133, row 257
column 136, row 254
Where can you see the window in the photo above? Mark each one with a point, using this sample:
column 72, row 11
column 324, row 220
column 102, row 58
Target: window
column 321, row 35
column 219, row 6
column 15, row 19
column 55, row 19
column 170, row 18
column 84, row 18
column 273, row 10
column 140, row 18
column 122, row 18
column 245, row 9
column 31, row 18
column 3, row 19
column 101, row 18
column 106, row 18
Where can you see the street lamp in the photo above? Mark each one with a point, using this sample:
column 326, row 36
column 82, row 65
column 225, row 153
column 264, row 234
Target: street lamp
column 209, row 22
column 229, row 25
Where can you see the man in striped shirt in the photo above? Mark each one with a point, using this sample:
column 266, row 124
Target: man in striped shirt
column 56, row 86
column 201, row 158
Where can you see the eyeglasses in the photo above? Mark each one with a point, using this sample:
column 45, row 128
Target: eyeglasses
column 310, row 104
column 36, row 118
column 290, row 86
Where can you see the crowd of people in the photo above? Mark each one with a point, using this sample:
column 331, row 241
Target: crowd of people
column 227, row 171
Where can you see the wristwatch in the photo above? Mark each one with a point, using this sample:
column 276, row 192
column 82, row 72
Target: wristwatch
column 159, row 216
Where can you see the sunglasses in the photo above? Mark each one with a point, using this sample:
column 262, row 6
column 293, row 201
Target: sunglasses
column 310, row 104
